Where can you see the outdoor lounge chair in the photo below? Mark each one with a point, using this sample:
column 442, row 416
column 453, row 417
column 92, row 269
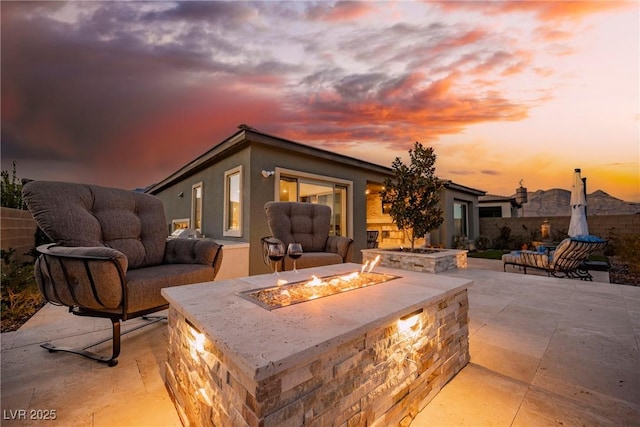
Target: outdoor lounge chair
column 111, row 256
column 567, row 260
column 307, row 224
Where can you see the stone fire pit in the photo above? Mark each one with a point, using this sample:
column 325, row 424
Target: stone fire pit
column 371, row 356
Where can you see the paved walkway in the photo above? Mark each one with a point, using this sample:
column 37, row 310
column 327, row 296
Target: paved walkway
column 544, row 352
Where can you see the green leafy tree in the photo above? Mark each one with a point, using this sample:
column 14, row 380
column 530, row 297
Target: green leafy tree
column 413, row 194
column 11, row 196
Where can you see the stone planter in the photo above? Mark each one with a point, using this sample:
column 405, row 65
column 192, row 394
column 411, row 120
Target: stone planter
column 433, row 261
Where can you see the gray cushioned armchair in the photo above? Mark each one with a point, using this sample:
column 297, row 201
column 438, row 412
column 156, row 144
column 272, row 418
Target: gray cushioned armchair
column 309, row 225
column 111, row 255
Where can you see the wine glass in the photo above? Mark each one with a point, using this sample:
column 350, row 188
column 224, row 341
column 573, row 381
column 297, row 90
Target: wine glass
column 294, row 251
column 276, row 253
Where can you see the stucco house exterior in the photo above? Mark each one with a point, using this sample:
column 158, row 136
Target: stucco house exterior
column 493, row 206
column 222, row 194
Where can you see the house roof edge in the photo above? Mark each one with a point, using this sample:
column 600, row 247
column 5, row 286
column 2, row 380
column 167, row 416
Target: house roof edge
column 247, row 135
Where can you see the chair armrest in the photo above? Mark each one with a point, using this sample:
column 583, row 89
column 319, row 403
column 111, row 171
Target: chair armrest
column 340, row 245
column 87, row 277
column 193, row 251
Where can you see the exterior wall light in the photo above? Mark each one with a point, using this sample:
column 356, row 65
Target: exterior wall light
column 267, row 174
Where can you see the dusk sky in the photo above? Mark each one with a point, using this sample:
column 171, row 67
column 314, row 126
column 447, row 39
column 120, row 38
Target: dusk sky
column 125, row 93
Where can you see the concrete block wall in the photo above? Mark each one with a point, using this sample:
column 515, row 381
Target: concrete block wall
column 17, row 231
column 599, row 225
column 623, row 224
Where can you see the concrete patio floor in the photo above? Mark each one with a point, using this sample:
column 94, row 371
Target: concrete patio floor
column 544, row 352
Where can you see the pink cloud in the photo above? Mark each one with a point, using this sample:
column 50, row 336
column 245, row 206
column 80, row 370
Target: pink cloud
column 340, row 11
column 398, row 117
column 545, row 10
column 552, row 34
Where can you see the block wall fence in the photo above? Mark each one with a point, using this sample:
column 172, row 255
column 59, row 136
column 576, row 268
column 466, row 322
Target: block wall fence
column 18, row 231
column 599, row 225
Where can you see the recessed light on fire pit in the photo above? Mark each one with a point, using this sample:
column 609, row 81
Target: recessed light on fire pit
column 409, row 321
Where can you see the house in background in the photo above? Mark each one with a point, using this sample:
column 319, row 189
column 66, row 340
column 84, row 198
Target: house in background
column 459, row 206
column 222, row 194
column 492, row 206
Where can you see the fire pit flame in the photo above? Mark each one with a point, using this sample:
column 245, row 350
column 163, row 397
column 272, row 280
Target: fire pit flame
column 373, row 264
column 350, row 277
column 315, row 281
column 364, row 267
column 284, row 294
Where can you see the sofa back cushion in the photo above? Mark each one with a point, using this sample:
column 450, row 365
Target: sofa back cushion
column 90, row 215
column 304, row 223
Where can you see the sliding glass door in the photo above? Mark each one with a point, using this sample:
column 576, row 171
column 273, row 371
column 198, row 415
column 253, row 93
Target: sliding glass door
column 460, row 220
column 324, row 192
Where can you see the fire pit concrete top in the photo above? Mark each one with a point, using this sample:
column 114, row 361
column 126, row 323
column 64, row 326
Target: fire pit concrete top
column 264, row 342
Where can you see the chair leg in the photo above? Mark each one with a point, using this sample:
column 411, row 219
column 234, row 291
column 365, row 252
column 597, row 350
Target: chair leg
column 109, row 360
column 115, row 352
column 582, row 274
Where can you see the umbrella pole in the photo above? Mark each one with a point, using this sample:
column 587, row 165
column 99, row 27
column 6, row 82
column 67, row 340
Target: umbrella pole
column 584, row 186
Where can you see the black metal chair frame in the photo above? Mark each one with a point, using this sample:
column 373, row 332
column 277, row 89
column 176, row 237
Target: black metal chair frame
column 79, row 310
column 372, row 239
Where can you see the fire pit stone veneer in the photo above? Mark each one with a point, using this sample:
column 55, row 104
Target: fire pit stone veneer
column 434, row 260
column 374, row 356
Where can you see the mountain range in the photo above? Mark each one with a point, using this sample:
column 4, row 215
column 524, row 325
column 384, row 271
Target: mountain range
column 555, row 202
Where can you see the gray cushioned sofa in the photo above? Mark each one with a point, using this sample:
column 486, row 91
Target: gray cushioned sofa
column 111, row 256
column 307, row 224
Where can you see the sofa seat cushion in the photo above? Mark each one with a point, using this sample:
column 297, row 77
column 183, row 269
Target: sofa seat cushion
column 313, row 259
column 512, row 258
column 144, row 285
column 535, row 259
column 527, row 258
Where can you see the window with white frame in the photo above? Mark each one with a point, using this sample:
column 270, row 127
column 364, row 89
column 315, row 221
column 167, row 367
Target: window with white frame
column 196, row 206
column 233, row 202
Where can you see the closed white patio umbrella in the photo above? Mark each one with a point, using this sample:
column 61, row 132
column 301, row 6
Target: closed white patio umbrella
column 578, row 224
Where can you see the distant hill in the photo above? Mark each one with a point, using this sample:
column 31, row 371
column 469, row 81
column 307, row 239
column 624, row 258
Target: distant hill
column 555, row 202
